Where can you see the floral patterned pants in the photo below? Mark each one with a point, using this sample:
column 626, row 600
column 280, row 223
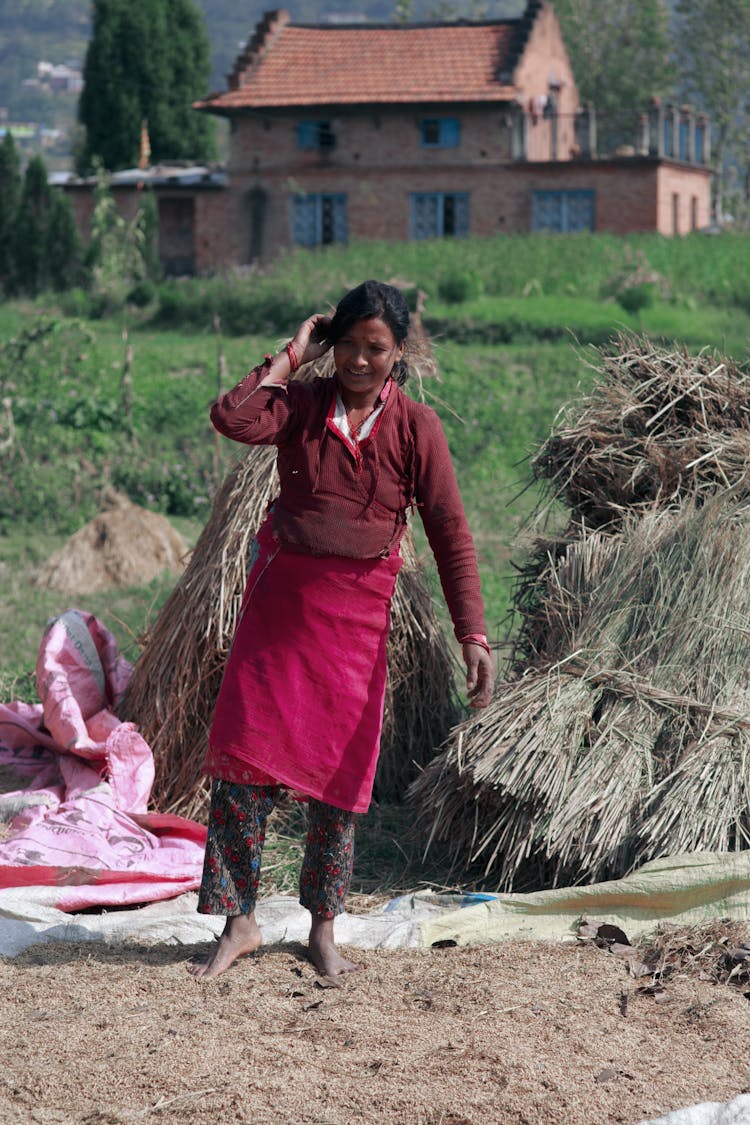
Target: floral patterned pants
column 236, row 834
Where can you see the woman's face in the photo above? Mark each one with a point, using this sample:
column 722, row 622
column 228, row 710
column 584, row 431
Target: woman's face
column 365, row 356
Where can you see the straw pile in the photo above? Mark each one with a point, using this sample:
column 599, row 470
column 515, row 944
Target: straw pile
column 124, row 545
column 622, row 730
column 658, row 427
column 177, row 677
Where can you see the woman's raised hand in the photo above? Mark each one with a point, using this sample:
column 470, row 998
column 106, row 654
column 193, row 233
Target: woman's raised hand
column 308, row 343
column 310, row 340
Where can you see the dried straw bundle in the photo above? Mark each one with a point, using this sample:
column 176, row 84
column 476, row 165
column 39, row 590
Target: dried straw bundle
column 635, row 742
column 420, row 699
column 658, row 427
column 623, row 729
column 176, row 680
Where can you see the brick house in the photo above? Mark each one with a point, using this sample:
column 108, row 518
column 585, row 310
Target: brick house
column 411, row 131
column 416, row 131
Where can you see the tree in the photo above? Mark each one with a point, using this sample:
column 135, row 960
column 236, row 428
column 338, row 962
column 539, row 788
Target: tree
column 30, row 232
column 121, row 252
column 146, row 61
column 620, row 54
column 10, row 195
column 148, row 219
column 64, row 248
column 713, row 52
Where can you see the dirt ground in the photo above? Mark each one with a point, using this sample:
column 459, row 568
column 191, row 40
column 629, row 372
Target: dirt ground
column 516, row 1033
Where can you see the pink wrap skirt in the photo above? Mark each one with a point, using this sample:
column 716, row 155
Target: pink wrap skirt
column 301, row 702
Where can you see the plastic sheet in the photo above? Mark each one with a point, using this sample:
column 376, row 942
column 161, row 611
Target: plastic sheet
column 80, row 824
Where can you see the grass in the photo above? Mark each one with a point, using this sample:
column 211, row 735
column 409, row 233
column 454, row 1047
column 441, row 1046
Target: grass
column 711, row 269
column 696, row 270
column 497, row 405
column 529, row 319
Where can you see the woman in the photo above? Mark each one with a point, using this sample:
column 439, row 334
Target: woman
column 301, row 703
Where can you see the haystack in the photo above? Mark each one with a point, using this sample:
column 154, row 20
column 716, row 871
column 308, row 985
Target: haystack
column 622, row 729
column 177, row 677
column 657, row 427
column 124, row 545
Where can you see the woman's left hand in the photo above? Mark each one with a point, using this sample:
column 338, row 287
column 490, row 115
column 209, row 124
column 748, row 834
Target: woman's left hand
column 480, row 675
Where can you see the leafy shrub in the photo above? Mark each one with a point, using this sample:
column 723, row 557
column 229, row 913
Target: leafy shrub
column 106, row 302
column 244, row 306
column 181, row 304
column 175, row 487
column 455, row 288
column 142, row 294
column 634, row 298
column 54, row 494
column 89, row 413
column 76, row 303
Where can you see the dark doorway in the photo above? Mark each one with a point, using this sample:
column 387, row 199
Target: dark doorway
column 177, row 235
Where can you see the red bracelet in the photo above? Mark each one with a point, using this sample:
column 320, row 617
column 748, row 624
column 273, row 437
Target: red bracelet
column 293, row 361
column 476, row 639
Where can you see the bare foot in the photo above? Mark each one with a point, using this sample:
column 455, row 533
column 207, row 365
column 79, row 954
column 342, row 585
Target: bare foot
column 322, row 950
column 241, row 936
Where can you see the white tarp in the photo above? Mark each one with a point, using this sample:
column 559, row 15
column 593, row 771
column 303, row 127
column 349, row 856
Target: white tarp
column 28, row 916
column 736, row 1112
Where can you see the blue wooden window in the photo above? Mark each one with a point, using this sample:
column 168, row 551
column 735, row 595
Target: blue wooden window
column 319, row 218
column 700, row 144
column 563, row 211
column 438, row 214
column 440, row 132
column 314, row 134
column 684, row 139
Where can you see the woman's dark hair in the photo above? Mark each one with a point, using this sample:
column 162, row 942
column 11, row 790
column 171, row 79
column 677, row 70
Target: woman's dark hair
column 374, row 298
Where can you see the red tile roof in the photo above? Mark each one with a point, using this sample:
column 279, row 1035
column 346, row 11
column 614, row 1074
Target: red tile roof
column 295, row 65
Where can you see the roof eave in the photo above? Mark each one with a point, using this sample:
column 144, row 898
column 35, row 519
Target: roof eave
column 503, row 96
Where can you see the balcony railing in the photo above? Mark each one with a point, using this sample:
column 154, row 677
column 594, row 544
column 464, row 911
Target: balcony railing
column 666, row 131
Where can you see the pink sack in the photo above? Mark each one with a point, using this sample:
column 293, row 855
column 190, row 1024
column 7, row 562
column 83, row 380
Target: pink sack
column 81, row 823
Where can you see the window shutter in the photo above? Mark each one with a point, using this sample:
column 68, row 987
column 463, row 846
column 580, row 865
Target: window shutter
column 450, row 132
column 424, row 216
column 305, row 220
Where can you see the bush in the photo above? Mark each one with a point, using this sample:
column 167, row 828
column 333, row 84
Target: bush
column 106, row 302
column 456, row 288
column 142, row 294
column 634, row 298
column 244, row 306
column 76, row 303
column 174, row 487
column 181, row 304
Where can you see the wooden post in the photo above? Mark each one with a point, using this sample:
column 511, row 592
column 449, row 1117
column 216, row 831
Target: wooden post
column 126, row 387
column 656, row 128
column 221, row 383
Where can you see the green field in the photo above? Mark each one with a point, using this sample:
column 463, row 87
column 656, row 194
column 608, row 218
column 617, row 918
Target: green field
column 515, row 324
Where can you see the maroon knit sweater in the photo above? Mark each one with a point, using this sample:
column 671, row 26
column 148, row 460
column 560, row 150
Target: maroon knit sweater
column 335, row 502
